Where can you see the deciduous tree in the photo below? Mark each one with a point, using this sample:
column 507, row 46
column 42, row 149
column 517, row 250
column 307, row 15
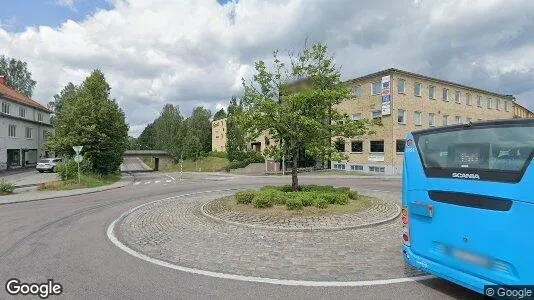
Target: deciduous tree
column 17, row 75
column 297, row 103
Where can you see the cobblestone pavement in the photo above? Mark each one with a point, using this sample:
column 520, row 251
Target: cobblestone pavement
column 381, row 211
column 176, row 231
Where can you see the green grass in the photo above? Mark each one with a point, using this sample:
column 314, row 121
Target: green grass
column 323, row 173
column 86, row 181
column 205, row 164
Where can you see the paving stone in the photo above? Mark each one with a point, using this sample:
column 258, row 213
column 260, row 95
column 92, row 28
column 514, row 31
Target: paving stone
column 176, row 231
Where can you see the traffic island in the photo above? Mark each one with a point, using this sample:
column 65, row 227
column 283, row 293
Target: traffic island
column 311, row 208
column 174, row 231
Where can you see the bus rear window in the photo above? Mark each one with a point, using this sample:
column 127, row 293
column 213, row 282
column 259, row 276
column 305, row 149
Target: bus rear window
column 498, row 148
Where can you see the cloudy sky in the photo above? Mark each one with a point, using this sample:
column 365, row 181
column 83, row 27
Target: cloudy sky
column 194, row 52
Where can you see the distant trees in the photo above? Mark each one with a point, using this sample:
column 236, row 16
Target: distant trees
column 186, row 138
column 221, row 114
column 87, row 116
column 235, row 137
column 17, row 75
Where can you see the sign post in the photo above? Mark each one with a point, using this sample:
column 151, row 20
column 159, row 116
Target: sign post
column 181, row 167
column 78, row 158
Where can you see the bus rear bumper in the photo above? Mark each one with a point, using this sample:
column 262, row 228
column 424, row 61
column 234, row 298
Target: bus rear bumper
column 431, row 267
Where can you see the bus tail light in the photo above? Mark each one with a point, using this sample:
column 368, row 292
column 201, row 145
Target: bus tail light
column 405, row 229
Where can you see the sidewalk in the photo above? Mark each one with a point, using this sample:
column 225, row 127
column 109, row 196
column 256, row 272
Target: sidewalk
column 26, row 195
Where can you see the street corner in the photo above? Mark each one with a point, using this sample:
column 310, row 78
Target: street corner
column 175, row 233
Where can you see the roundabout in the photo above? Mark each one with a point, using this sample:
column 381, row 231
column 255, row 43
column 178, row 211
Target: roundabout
column 178, row 233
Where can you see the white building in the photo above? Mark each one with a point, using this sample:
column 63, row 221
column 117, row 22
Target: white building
column 24, row 125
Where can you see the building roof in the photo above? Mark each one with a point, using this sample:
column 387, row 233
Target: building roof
column 10, row 94
column 524, row 108
column 424, row 77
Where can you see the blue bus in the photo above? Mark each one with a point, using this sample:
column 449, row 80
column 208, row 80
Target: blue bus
column 468, row 202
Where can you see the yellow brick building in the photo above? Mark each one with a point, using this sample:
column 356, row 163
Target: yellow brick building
column 415, row 102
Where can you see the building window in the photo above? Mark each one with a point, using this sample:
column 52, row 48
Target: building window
column 468, row 99
column 402, row 86
column 458, row 120
column 376, row 146
column 376, row 88
column 22, row 112
column 376, row 114
column 445, row 120
column 489, row 103
column 377, row 169
column 479, row 101
column 498, row 104
column 431, row 92
column 431, row 119
column 401, row 117
column 457, row 97
column 28, row 133
column 12, row 131
column 339, row 166
column 5, row 107
column 356, row 146
column 506, row 107
column 356, row 91
column 357, row 116
column 417, row 89
column 417, row 118
column 445, row 94
column 39, row 117
column 356, row 168
column 399, row 146
column 340, row 145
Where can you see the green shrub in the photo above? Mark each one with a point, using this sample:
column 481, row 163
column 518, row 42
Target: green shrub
column 328, row 197
column 6, row 187
column 341, row 199
column 307, row 198
column 294, row 203
column 220, row 154
column 278, row 197
column 345, row 190
column 308, row 188
column 68, row 169
column 353, row 195
column 262, row 200
column 244, row 197
column 320, row 203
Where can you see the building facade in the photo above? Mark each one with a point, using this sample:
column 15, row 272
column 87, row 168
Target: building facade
column 407, row 102
column 24, row 126
column 218, row 135
column 522, row 112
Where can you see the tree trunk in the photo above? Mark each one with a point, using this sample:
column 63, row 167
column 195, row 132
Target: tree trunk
column 294, row 170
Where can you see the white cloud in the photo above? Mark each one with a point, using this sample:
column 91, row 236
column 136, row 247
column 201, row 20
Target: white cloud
column 195, row 52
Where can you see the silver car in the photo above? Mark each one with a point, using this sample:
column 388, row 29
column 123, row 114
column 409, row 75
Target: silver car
column 47, row 164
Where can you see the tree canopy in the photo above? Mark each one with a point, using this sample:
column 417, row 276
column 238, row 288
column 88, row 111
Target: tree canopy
column 220, row 114
column 297, row 103
column 17, row 75
column 87, row 116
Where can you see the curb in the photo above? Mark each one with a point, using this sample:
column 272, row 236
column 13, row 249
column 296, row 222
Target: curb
column 126, row 183
column 309, row 229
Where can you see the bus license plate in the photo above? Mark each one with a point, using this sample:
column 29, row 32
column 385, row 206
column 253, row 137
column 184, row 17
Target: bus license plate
column 469, row 257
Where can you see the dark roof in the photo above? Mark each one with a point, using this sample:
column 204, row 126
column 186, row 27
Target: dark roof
column 398, row 71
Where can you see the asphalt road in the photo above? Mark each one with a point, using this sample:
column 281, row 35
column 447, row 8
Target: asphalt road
column 65, row 240
column 132, row 164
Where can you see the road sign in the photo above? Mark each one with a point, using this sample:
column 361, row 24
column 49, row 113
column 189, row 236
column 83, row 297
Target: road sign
column 77, row 149
column 78, row 158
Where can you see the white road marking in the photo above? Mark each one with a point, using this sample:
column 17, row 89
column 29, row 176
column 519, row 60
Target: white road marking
column 136, row 183
column 168, row 180
column 111, row 235
column 171, row 177
column 157, row 181
column 148, row 182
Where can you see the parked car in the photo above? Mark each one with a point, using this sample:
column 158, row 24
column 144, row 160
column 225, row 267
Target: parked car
column 47, row 164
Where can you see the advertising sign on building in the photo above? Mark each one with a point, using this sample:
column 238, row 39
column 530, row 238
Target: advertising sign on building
column 386, row 95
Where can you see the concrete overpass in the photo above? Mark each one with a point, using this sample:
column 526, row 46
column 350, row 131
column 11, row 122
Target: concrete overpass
column 133, row 160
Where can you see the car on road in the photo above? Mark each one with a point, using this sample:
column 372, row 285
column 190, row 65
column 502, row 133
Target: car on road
column 47, row 164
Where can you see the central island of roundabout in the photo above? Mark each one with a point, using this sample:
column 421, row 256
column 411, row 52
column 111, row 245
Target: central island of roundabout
column 319, row 236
